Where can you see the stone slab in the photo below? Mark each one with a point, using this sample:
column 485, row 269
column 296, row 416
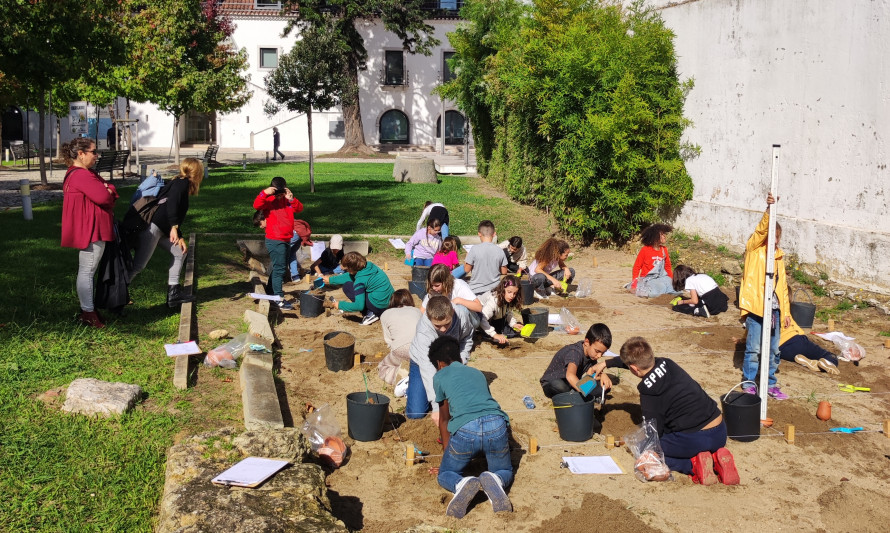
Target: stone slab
column 90, row 396
column 259, row 398
column 261, row 359
column 259, row 325
column 259, row 287
column 182, row 363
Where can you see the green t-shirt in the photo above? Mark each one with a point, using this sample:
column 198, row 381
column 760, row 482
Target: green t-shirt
column 466, row 390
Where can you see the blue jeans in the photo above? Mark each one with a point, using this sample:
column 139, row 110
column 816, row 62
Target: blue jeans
column 679, row 448
column 444, row 230
column 423, row 262
column 799, row 344
column 278, row 254
column 486, row 434
column 754, row 325
column 417, row 405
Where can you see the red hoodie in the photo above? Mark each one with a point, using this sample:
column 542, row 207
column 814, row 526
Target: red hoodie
column 279, row 215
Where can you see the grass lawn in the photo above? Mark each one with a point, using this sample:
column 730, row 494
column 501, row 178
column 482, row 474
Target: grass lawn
column 60, row 472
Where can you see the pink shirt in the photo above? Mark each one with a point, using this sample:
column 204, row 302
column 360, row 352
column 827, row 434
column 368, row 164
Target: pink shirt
column 450, row 259
column 87, row 209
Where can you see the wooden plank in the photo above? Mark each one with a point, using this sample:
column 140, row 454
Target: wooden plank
column 187, row 326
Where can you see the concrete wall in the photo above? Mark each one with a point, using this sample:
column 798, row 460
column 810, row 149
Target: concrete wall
column 812, row 76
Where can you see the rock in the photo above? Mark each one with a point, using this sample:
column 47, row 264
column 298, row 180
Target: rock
column 731, row 266
column 821, row 282
column 294, row 499
column 838, row 293
column 218, row 334
column 256, row 265
column 90, row 396
column 414, row 169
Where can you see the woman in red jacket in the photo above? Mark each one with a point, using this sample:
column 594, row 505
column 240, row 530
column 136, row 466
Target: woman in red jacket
column 87, row 219
column 278, row 205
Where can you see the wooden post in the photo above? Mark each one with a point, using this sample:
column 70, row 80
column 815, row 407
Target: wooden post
column 595, row 262
column 789, row 434
column 385, row 266
column 887, row 428
column 830, row 324
column 409, row 454
column 610, row 442
column 886, row 343
column 358, row 360
column 533, row 445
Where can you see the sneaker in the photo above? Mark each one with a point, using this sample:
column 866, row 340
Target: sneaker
column 494, row 489
column 750, row 389
column 539, row 296
column 804, row 361
column 284, row 305
column 776, row 393
column 466, row 490
column 724, row 464
column 401, row 388
column 828, row 367
column 91, row 318
column 703, row 469
column 705, row 311
column 370, row 318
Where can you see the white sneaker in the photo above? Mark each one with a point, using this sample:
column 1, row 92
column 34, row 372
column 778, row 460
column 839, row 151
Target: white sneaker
column 370, row 318
column 401, row 388
column 539, row 296
column 464, row 492
column 494, row 489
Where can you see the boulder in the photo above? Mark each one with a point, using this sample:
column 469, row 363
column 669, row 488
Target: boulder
column 88, row 396
column 414, row 169
column 731, row 266
column 218, row 334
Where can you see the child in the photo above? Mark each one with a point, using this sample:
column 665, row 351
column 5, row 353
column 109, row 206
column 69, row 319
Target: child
column 441, row 319
column 434, row 211
column 653, row 263
column 517, row 257
column 549, row 269
column 705, row 297
column 278, row 205
column 329, row 262
column 302, row 237
column 399, row 322
column 751, row 304
column 471, row 423
column 485, row 262
column 795, row 346
column 440, row 281
column 424, row 244
column 367, row 287
column 572, row 362
column 498, row 320
column 447, row 255
column 690, row 426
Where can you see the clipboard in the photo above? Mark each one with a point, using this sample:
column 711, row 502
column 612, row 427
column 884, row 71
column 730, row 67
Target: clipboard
column 250, row 472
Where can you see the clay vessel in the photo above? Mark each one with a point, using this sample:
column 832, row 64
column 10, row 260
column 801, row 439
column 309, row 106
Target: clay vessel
column 823, row 412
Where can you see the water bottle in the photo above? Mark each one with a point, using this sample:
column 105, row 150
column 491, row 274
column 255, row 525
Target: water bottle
column 529, row 403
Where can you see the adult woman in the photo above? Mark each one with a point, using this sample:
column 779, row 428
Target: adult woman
column 87, row 219
column 549, row 269
column 164, row 228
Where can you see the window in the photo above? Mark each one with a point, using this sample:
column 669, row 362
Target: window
column 394, row 127
column 394, row 68
column 268, row 4
column 455, row 129
column 268, row 58
column 447, row 74
column 336, row 129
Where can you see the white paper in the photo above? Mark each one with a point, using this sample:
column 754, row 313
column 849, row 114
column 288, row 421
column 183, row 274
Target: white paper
column 182, row 348
column 610, row 353
column 598, row 464
column 250, row 471
column 316, row 250
column 554, row 319
column 398, row 244
column 467, row 247
column 834, row 336
column 257, row 296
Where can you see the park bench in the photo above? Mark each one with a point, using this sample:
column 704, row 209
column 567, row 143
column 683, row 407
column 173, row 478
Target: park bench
column 111, row 160
column 22, row 152
column 210, row 156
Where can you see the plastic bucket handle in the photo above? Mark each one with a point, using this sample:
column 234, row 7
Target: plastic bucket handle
column 742, row 383
column 794, row 296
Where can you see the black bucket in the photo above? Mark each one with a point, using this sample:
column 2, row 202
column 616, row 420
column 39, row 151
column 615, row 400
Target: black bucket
column 741, row 412
column 420, row 274
column 418, row 288
column 311, row 305
column 365, row 420
column 803, row 312
column 528, row 291
column 537, row 316
column 337, row 358
column 574, row 416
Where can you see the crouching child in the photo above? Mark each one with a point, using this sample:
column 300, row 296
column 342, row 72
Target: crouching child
column 471, row 423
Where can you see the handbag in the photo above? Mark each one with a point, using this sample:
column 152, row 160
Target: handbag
column 139, row 215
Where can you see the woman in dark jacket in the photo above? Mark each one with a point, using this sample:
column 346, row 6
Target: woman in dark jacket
column 164, row 228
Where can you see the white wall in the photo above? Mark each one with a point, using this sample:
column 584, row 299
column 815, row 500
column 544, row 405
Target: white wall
column 811, row 75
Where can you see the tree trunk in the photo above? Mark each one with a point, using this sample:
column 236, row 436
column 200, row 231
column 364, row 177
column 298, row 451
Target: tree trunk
column 41, row 131
column 176, row 138
column 311, row 155
column 352, row 117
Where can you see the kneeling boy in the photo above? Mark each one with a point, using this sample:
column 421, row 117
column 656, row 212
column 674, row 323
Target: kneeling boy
column 689, row 422
column 470, row 422
column 571, row 363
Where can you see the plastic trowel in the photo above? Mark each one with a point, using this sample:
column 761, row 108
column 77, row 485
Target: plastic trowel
column 587, row 384
column 527, row 330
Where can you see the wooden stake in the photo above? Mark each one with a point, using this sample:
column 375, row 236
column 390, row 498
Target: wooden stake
column 385, row 266
column 595, row 262
column 533, row 445
column 830, row 324
column 886, row 343
column 358, row 359
column 789, row 434
column 409, row 454
column 610, row 442
column 887, row 428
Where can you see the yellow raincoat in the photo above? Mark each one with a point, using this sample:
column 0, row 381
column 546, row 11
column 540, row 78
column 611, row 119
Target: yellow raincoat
column 751, row 291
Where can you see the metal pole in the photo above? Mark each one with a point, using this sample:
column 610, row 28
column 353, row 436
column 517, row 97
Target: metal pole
column 267, row 157
column 768, row 287
column 442, row 121
column 467, row 143
column 25, row 187
column 243, row 161
column 143, row 170
column 136, row 142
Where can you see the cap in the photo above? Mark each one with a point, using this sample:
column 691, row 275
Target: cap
column 336, row 242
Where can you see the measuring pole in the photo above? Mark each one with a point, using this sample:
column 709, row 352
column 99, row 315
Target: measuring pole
column 768, row 286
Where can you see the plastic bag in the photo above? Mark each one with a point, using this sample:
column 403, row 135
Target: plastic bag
column 241, row 343
column 319, row 425
column 585, row 288
column 570, row 324
column 220, row 356
column 850, row 351
column 646, row 448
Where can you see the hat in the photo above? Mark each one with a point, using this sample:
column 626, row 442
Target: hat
column 336, row 242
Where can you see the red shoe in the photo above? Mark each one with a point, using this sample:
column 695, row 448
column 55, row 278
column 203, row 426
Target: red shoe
column 91, row 318
column 703, row 469
column 724, row 464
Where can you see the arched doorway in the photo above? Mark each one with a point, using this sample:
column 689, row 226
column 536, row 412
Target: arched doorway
column 394, row 127
column 13, row 126
column 455, row 127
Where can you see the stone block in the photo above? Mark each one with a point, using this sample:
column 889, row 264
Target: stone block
column 732, row 267
column 413, row 169
column 261, row 359
column 259, row 325
column 90, row 396
column 259, row 398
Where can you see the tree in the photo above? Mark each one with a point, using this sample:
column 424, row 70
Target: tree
column 405, row 18
column 310, row 76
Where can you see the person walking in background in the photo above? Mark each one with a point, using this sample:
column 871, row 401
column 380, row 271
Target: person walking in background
column 87, row 219
column 276, row 143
